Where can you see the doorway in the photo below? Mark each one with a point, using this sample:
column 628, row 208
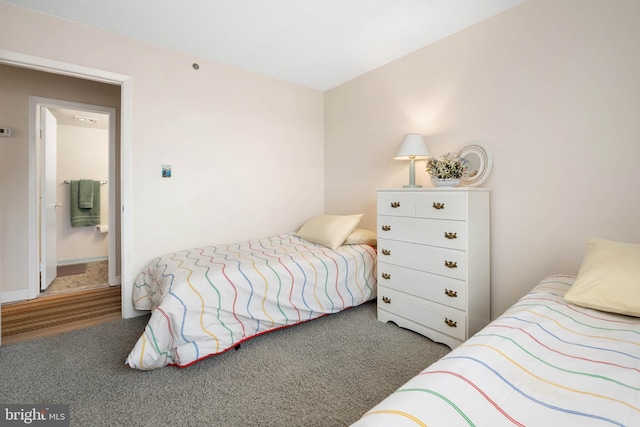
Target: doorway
column 50, row 193
column 124, row 82
column 76, row 142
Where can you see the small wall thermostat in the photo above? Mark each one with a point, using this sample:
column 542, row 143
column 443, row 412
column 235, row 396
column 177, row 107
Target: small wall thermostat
column 5, row 131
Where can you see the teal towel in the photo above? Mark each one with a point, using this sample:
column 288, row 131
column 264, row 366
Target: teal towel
column 82, row 217
column 85, row 194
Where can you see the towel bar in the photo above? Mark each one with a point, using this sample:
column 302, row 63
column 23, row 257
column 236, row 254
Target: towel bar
column 68, row 181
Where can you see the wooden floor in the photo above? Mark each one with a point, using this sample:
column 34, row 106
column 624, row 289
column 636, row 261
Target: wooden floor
column 74, row 300
column 55, row 330
column 44, row 312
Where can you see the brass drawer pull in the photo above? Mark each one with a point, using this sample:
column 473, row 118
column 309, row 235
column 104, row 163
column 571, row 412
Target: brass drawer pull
column 449, row 293
column 450, row 323
column 451, row 264
column 395, row 204
column 386, row 276
column 386, row 252
column 386, row 300
column 450, row 235
column 438, row 206
column 386, row 228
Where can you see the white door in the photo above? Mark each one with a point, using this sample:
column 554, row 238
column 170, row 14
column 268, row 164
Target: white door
column 48, row 199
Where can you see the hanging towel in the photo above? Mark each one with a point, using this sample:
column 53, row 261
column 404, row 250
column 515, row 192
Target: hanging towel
column 82, row 217
column 85, row 194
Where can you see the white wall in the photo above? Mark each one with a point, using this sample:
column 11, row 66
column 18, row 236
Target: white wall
column 246, row 150
column 83, row 153
column 552, row 88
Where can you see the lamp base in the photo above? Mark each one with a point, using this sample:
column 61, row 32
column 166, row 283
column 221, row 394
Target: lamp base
column 412, row 175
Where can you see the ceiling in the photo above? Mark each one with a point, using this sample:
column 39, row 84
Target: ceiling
column 314, row 43
column 80, row 118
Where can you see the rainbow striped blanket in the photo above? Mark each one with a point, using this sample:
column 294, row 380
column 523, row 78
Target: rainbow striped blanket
column 204, row 301
column 544, row 362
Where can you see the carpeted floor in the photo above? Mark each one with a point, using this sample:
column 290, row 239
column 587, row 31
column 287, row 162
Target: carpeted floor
column 327, row 372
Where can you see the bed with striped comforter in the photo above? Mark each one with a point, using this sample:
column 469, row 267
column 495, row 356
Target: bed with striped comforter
column 204, row 301
column 544, row 362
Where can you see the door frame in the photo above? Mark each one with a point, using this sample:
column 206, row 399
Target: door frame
column 35, row 105
column 126, row 107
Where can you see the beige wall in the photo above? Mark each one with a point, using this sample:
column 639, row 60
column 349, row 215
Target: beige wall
column 552, row 87
column 246, row 150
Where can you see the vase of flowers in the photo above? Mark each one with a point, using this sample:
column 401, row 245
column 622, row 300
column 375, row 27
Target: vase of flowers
column 447, row 170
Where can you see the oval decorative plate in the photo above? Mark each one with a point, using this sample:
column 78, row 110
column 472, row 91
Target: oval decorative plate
column 479, row 162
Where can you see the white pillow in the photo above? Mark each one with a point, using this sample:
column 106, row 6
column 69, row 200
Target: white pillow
column 360, row 236
column 609, row 278
column 329, row 230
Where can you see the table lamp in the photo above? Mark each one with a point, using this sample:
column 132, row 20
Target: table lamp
column 412, row 148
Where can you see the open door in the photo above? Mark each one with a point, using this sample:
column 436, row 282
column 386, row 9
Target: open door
column 48, row 199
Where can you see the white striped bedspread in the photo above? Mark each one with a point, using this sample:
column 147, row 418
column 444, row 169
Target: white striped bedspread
column 544, row 362
column 207, row 300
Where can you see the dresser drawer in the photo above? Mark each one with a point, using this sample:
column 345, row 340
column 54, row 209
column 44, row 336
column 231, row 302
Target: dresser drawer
column 442, row 290
column 442, row 205
column 446, row 234
column 434, row 204
column 398, row 204
column 445, row 262
column 442, row 319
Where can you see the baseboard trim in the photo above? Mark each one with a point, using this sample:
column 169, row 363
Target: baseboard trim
column 82, row 260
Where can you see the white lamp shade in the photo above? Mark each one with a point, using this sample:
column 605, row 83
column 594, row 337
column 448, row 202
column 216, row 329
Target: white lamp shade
column 412, row 147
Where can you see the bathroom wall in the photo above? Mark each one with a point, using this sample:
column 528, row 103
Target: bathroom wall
column 83, row 153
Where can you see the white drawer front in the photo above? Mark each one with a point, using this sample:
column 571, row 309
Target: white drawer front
column 400, row 204
column 442, row 205
column 445, row 234
column 445, row 262
column 439, row 289
column 442, row 319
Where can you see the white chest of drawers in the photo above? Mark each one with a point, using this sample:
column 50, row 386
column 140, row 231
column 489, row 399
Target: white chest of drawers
column 433, row 261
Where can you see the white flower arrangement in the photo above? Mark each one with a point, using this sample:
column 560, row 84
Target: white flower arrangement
column 449, row 166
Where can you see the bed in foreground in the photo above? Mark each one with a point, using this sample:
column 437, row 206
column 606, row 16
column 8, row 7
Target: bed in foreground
column 545, row 362
column 207, row 300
